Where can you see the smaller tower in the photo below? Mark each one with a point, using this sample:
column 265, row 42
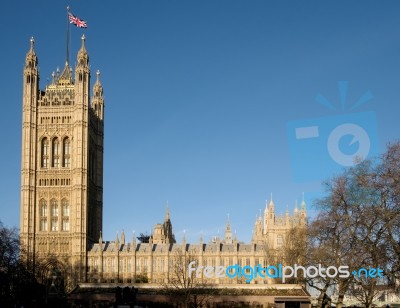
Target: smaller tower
column 228, row 233
column 123, row 237
column 266, row 217
column 258, row 232
column 97, row 99
column 303, row 212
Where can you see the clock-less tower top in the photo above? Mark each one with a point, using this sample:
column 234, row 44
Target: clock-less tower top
column 62, row 163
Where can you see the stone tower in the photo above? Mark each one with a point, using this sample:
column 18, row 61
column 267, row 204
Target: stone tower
column 62, row 163
column 273, row 228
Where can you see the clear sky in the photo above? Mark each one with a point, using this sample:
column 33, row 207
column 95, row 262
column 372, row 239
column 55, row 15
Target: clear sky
column 203, row 98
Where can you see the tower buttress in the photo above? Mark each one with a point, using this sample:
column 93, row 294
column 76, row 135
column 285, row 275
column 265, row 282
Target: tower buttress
column 30, row 98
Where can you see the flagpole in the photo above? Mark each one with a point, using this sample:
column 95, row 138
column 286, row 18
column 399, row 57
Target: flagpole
column 67, row 56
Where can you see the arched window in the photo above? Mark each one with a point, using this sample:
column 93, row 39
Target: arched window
column 56, row 153
column 43, row 215
column 65, row 214
column 45, row 153
column 54, row 215
column 66, row 152
column 65, row 207
column 279, row 240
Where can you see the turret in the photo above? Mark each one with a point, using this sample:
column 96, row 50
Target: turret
column 271, row 206
column 228, row 233
column 31, row 77
column 123, row 237
column 82, row 75
column 98, row 99
column 257, row 234
column 303, row 211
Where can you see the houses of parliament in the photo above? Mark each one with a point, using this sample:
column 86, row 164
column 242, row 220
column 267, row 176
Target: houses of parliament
column 62, row 193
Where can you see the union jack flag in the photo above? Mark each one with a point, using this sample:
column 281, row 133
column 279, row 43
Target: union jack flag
column 76, row 21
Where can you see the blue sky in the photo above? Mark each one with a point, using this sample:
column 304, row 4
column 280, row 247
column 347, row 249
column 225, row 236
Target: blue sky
column 200, row 96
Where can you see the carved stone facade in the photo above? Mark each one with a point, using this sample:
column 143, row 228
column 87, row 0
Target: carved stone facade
column 62, row 162
column 62, row 193
column 272, row 228
column 128, row 262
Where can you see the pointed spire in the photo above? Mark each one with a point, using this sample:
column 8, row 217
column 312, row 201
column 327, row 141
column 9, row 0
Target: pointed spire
column 97, row 88
column 32, row 50
column 271, row 202
column 98, row 77
column 117, row 239
column 295, row 207
column 100, row 238
column 83, row 38
column 303, row 203
column 83, row 58
column 65, row 78
column 31, row 59
column 167, row 214
column 184, row 237
column 123, row 237
column 287, row 209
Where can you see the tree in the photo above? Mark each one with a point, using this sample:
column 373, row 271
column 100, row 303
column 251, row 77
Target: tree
column 184, row 287
column 358, row 225
column 17, row 284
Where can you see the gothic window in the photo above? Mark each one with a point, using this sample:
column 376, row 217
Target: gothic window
column 66, row 152
column 43, row 215
column 65, row 207
column 65, row 214
column 54, row 215
column 95, row 265
column 113, row 269
column 145, row 265
column 247, row 264
column 56, row 153
column 45, row 153
column 138, row 267
column 279, row 241
column 65, row 225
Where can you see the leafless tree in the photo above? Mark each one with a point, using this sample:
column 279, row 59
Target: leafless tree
column 359, row 226
column 184, row 287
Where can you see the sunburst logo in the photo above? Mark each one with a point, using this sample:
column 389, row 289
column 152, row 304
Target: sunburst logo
column 322, row 146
